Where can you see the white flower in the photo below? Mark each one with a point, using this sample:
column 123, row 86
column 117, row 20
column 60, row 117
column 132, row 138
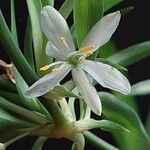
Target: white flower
column 2, row 146
column 61, row 47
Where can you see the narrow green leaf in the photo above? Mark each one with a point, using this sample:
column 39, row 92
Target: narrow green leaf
column 15, row 53
column 107, row 50
column 36, row 33
column 47, row 2
column 28, row 49
column 38, row 6
column 141, row 88
column 38, row 144
column 13, row 22
column 126, row 10
column 119, row 112
column 97, row 142
column 31, row 116
column 131, row 54
column 148, row 123
column 12, row 97
column 10, row 134
column 11, row 122
column 66, row 8
column 86, row 14
column 39, row 42
column 7, row 85
column 110, row 3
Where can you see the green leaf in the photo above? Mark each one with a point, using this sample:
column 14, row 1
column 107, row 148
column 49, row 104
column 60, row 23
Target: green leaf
column 10, row 134
column 36, row 32
column 141, row 88
column 7, row 85
column 148, row 123
column 66, row 8
column 119, row 112
column 41, row 58
column 110, row 3
column 107, row 50
column 24, row 113
column 47, row 2
column 9, row 121
column 97, row 142
column 86, row 14
column 15, row 53
column 131, row 54
column 28, row 48
column 126, row 10
column 38, row 144
column 13, row 22
column 12, row 97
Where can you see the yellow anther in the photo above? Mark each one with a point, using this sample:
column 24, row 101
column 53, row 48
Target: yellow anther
column 87, row 50
column 44, row 68
column 56, row 69
column 62, row 39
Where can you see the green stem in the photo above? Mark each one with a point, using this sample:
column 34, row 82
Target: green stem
column 65, row 108
column 79, row 142
column 56, row 112
column 97, row 142
column 16, row 139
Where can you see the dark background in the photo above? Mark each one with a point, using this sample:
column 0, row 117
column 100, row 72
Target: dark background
column 134, row 28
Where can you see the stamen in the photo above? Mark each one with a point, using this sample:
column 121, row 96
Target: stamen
column 44, row 68
column 62, row 39
column 56, row 69
column 87, row 50
column 82, row 58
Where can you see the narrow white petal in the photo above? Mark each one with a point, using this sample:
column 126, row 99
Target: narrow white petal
column 48, row 82
column 53, row 51
column 87, row 90
column 102, row 31
column 54, row 26
column 107, row 76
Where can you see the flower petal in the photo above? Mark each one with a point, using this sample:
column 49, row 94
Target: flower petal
column 107, row 76
column 87, row 90
column 48, row 82
column 55, row 27
column 102, row 31
column 53, row 51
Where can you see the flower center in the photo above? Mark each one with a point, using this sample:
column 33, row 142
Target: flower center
column 76, row 58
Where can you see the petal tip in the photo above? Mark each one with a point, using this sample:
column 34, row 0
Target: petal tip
column 128, row 90
column 98, row 109
column 28, row 94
